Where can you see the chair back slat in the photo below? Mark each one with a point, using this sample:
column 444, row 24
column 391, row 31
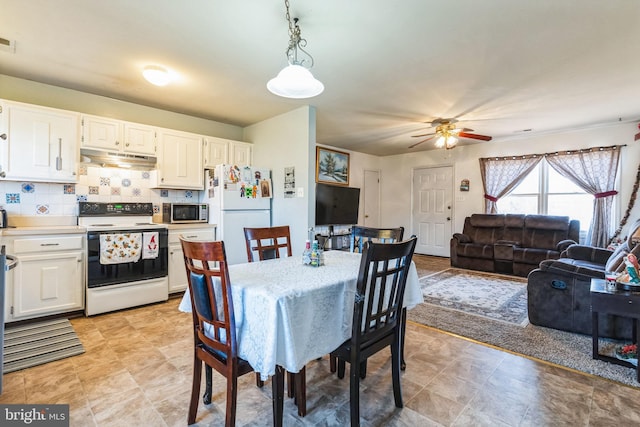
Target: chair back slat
column 360, row 235
column 380, row 289
column 267, row 242
column 211, row 297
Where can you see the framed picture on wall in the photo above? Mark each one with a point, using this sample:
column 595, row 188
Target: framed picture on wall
column 332, row 167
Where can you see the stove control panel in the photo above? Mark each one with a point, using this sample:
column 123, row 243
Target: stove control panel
column 115, row 209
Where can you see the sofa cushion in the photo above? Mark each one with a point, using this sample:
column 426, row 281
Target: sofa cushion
column 533, row 256
column 484, row 229
column 473, row 250
column 544, row 232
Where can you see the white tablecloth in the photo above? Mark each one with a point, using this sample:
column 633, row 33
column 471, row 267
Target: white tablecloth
column 288, row 313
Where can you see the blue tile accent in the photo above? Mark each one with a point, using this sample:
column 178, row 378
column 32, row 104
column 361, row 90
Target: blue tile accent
column 188, row 194
column 28, row 187
column 81, row 198
column 13, row 198
column 164, row 193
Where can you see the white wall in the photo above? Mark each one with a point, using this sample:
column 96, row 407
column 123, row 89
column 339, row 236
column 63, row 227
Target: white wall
column 397, row 170
column 358, row 163
column 288, row 140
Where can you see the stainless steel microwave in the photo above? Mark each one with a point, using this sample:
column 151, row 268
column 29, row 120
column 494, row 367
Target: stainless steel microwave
column 178, row 213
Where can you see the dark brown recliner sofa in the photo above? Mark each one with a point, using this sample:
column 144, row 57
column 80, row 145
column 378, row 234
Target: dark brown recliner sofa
column 510, row 243
column 558, row 292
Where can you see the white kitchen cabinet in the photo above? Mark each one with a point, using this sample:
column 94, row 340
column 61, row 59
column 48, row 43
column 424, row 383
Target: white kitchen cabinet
column 49, row 277
column 180, row 163
column 240, row 153
column 219, row 151
column 118, row 136
column 38, row 143
column 177, row 272
column 216, row 151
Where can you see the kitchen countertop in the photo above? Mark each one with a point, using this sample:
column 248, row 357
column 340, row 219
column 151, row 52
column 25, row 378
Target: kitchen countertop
column 189, row 226
column 41, row 230
column 30, row 225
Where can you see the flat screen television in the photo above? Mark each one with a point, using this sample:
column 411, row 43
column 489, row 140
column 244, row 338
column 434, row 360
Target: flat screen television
column 336, row 205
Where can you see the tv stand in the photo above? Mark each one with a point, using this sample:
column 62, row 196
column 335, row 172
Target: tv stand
column 339, row 242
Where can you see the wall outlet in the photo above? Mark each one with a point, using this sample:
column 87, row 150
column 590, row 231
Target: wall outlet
column 300, row 191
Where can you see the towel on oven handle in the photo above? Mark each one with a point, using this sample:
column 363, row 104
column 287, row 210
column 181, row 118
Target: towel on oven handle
column 150, row 245
column 119, row 248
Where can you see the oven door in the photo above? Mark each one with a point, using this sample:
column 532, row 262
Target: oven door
column 100, row 274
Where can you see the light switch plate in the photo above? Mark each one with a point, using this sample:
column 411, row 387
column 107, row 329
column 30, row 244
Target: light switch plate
column 300, row 191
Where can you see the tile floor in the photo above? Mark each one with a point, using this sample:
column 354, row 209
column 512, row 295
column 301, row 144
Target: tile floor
column 137, row 372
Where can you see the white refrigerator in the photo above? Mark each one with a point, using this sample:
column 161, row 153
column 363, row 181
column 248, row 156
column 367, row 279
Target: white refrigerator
column 238, row 197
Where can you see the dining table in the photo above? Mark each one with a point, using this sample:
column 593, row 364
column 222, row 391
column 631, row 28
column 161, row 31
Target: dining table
column 288, row 313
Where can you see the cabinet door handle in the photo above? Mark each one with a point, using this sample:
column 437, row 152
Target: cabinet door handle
column 117, row 142
column 3, row 136
column 191, row 237
column 59, row 158
column 126, row 144
column 49, row 244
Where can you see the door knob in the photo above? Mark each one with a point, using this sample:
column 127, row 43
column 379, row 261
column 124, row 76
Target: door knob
column 448, row 219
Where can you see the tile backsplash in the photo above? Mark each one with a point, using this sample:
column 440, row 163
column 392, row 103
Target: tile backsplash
column 95, row 184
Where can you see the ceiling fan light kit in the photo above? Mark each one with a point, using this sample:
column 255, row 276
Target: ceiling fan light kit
column 448, row 134
column 295, row 80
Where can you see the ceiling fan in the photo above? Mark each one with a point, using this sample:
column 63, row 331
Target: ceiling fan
column 448, row 134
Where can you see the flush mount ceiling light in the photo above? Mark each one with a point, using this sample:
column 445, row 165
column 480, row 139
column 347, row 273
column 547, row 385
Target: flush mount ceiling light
column 295, row 80
column 156, row 75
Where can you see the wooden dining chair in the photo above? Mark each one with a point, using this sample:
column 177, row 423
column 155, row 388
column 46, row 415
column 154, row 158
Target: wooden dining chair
column 377, row 314
column 214, row 328
column 270, row 243
column 267, row 242
column 360, row 234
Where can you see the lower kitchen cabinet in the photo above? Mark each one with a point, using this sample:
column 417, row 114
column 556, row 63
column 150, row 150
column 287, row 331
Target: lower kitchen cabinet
column 177, row 272
column 49, row 277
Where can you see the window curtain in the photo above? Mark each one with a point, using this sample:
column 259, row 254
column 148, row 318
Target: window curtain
column 593, row 170
column 500, row 175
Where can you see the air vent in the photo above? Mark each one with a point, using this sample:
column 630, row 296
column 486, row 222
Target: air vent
column 7, row 45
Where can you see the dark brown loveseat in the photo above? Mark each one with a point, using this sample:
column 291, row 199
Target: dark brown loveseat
column 558, row 292
column 511, row 244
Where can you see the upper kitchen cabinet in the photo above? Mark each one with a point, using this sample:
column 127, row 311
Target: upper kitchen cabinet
column 219, row 150
column 105, row 134
column 38, row 143
column 179, row 161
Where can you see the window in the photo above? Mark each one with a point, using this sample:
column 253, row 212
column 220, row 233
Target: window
column 544, row 191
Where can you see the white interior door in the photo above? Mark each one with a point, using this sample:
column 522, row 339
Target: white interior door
column 371, row 198
column 432, row 213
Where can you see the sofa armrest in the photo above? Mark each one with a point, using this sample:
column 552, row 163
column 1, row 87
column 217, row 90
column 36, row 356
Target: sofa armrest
column 561, row 266
column 462, row 238
column 587, row 253
column 564, row 244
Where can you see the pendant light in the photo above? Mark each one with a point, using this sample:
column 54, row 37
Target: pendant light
column 295, row 80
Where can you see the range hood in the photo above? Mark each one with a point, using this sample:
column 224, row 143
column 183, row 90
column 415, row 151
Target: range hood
column 108, row 159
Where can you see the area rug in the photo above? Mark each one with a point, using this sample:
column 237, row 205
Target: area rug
column 551, row 345
column 496, row 297
column 38, row 343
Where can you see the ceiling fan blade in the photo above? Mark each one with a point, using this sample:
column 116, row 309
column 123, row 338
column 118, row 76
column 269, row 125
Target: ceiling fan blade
column 420, row 142
column 424, row 134
column 475, row 136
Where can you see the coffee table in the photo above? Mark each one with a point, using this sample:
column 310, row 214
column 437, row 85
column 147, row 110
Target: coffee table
column 618, row 303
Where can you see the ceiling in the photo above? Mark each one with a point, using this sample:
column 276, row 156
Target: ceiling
column 499, row 66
